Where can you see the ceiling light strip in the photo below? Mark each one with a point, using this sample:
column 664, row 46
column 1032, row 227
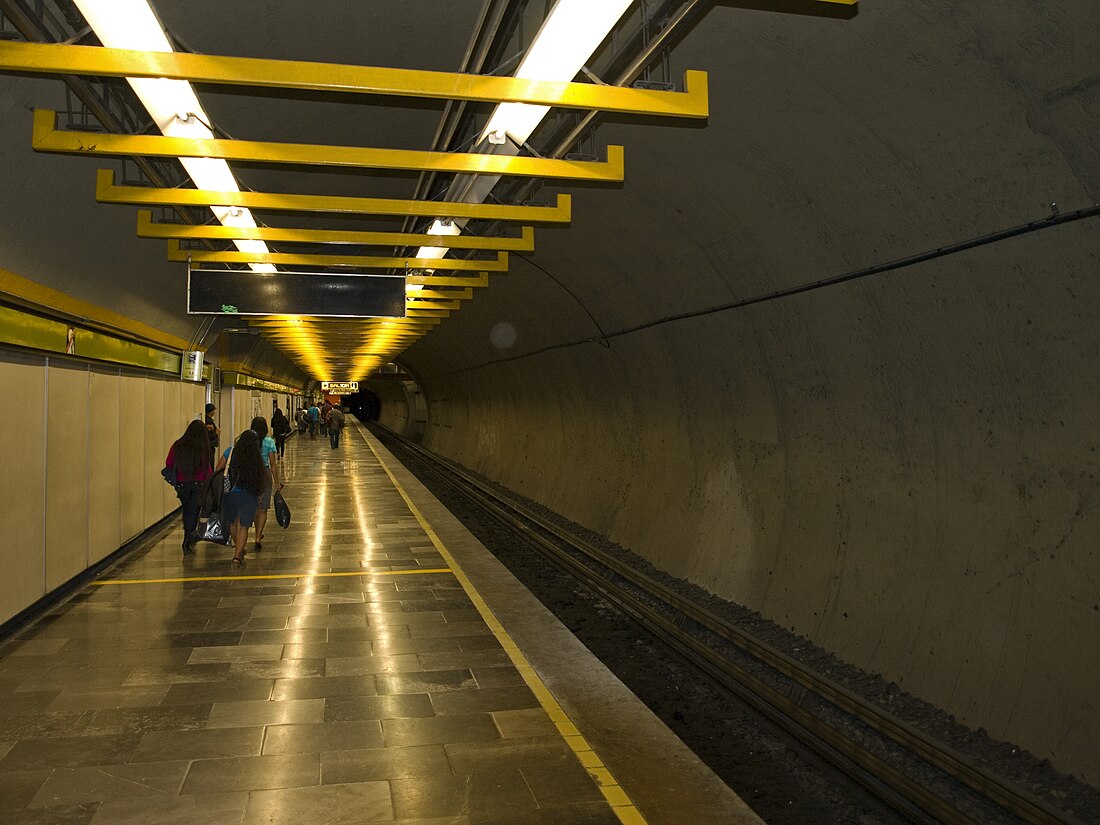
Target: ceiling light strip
column 173, row 105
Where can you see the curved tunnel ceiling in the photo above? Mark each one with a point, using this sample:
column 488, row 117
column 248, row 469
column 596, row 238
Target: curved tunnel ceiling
column 254, row 124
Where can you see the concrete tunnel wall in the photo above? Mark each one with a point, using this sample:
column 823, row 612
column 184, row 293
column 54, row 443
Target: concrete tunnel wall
column 903, row 469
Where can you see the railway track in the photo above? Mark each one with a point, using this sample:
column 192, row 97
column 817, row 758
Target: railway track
column 922, row 779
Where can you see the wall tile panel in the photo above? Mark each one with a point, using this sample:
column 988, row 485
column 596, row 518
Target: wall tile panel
column 67, row 430
column 22, row 485
column 104, row 488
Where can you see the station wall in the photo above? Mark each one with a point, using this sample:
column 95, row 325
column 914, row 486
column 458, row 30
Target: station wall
column 83, row 446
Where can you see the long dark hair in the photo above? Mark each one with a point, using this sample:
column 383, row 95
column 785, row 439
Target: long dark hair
column 246, row 468
column 192, row 449
column 259, row 426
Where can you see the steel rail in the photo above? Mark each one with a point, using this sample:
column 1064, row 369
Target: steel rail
column 765, row 698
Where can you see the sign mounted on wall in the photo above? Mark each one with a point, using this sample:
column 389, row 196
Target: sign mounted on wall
column 191, row 366
column 339, row 387
column 318, row 294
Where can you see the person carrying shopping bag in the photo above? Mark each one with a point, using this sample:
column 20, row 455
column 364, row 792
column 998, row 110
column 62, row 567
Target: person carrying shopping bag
column 245, row 468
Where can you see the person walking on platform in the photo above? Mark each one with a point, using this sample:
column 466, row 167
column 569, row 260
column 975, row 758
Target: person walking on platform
column 314, row 418
column 189, row 459
column 212, row 431
column 246, row 472
column 335, row 426
column 270, row 457
column 326, row 408
column 302, row 419
column 280, row 428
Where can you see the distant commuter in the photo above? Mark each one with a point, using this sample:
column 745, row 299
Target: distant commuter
column 326, row 408
column 190, row 458
column 302, row 417
column 335, row 426
column 246, row 477
column 212, row 430
column 314, row 418
column 280, row 428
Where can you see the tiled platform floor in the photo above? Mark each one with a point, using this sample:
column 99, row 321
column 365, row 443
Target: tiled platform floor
column 375, row 696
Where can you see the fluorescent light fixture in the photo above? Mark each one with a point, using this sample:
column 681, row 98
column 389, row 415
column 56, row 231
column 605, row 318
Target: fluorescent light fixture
column 173, row 105
column 569, row 36
column 440, row 226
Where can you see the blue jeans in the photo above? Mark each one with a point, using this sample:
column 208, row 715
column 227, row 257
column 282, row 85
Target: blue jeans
column 190, row 493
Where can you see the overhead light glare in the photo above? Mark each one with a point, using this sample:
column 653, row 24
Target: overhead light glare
column 567, row 40
column 173, row 105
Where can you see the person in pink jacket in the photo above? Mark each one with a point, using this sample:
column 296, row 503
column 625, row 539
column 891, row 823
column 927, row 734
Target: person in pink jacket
column 190, row 460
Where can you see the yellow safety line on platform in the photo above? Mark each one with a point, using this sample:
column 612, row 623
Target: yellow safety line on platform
column 278, row 576
column 613, row 792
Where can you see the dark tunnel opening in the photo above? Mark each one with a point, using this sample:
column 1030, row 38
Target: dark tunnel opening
column 364, row 405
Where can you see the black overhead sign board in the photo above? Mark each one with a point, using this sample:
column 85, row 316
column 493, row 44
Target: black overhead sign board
column 225, row 292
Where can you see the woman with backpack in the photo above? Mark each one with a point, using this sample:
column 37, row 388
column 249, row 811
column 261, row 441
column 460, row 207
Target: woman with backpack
column 188, row 462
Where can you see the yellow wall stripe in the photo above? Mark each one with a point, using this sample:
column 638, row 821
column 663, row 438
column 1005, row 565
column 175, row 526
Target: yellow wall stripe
column 47, row 298
column 307, row 575
column 24, row 329
column 614, row 793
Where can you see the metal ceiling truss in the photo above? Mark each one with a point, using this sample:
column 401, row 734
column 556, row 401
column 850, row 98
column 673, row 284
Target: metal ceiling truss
column 435, row 287
column 110, row 102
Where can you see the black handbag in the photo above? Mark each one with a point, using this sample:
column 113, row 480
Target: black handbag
column 169, row 475
column 282, row 511
column 215, row 529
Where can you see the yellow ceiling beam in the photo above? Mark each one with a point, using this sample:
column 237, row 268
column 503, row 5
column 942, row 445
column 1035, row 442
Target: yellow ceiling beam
column 108, row 192
column 346, row 335
column 366, row 326
column 333, row 77
column 326, row 325
column 433, row 305
column 175, row 253
column 480, row 280
column 46, row 138
column 147, row 228
column 445, row 294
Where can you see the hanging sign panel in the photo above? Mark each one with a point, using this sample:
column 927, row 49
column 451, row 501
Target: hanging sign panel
column 339, row 387
column 323, row 294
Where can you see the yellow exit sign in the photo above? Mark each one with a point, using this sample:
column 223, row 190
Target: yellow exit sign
column 339, row 387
